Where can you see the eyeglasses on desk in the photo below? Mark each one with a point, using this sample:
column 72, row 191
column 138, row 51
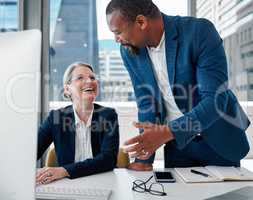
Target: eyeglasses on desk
column 154, row 188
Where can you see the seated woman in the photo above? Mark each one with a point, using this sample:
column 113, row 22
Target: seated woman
column 85, row 134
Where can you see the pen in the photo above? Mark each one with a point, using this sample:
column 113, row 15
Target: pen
column 199, row 173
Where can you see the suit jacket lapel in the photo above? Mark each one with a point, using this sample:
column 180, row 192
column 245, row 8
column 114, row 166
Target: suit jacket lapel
column 70, row 132
column 146, row 68
column 170, row 47
column 148, row 73
column 95, row 130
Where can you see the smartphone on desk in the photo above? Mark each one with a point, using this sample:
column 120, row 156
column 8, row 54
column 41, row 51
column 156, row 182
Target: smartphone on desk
column 164, row 177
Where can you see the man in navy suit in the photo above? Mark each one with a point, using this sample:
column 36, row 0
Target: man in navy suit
column 179, row 73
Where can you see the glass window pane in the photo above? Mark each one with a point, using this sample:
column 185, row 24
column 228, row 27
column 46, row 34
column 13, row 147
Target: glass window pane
column 74, row 37
column 8, row 15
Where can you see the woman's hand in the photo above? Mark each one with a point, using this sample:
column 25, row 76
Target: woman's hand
column 49, row 174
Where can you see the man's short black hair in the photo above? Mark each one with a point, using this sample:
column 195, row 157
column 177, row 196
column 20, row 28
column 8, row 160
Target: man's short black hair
column 130, row 9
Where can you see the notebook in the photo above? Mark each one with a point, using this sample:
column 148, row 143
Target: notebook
column 215, row 174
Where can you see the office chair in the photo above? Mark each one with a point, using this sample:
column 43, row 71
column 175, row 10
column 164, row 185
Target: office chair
column 51, row 160
column 122, row 159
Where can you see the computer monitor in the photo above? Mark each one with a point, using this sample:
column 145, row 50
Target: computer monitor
column 20, row 54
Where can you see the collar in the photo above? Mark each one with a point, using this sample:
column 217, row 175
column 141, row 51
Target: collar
column 78, row 121
column 159, row 46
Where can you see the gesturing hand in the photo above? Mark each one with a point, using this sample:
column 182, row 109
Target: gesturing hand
column 145, row 144
column 49, row 174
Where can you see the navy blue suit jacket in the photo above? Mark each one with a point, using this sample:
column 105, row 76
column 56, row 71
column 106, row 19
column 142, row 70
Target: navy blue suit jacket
column 197, row 71
column 59, row 128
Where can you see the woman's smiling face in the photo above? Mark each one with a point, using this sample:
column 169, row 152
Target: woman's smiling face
column 82, row 86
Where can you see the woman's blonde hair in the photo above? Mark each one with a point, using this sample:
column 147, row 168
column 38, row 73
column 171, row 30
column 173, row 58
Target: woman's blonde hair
column 68, row 73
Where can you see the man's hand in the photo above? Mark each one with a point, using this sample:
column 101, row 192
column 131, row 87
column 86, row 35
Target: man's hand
column 49, row 174
column 145, row 144
column 140, row 166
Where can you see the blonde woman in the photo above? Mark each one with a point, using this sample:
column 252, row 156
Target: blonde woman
column 85, row 134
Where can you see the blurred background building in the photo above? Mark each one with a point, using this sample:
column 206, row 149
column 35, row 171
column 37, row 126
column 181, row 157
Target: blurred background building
column 73, row 38
column 114, row 79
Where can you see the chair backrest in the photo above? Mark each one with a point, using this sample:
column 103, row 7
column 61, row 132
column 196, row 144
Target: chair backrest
column 51, row 160
column 122, row 159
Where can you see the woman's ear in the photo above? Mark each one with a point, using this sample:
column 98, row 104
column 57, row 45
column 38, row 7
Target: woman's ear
column 67, row 92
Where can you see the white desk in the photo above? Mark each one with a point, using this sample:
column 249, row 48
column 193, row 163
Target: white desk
column 120, row 182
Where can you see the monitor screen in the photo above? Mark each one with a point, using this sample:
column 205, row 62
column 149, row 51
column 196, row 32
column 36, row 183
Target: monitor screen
column 20, row 54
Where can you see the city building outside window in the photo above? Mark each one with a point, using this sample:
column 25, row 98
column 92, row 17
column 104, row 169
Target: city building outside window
column 9, row 15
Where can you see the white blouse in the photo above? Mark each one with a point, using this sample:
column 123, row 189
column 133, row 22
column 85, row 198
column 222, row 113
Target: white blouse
column 83, row 148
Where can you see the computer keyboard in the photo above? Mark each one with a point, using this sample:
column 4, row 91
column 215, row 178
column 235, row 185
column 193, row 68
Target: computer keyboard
column 72, row 193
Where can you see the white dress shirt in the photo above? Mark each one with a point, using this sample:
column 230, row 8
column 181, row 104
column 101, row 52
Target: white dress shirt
column 83, row 148
column 158, row 58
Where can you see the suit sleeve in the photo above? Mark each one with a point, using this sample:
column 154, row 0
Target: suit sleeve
column 45, row 135
column 211, row 75
column 107, row 158
column 144, row 98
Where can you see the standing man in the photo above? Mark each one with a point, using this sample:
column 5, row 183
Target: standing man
column 179, row 73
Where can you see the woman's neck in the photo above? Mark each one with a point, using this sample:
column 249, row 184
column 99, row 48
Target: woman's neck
column 83, row 111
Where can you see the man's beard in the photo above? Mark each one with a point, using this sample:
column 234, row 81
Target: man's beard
column 133, row 50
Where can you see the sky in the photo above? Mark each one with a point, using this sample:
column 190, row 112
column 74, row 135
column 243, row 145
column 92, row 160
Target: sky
column 169, row 7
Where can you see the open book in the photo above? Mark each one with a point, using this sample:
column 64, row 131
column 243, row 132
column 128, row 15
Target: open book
column 214, row 174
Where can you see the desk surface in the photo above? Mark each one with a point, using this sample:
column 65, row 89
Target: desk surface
column 120, row 182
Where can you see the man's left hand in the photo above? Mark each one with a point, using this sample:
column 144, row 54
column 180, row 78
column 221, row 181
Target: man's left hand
column 145, row 144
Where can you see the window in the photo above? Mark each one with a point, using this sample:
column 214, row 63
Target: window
column 74, row 37
column 9, row 15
